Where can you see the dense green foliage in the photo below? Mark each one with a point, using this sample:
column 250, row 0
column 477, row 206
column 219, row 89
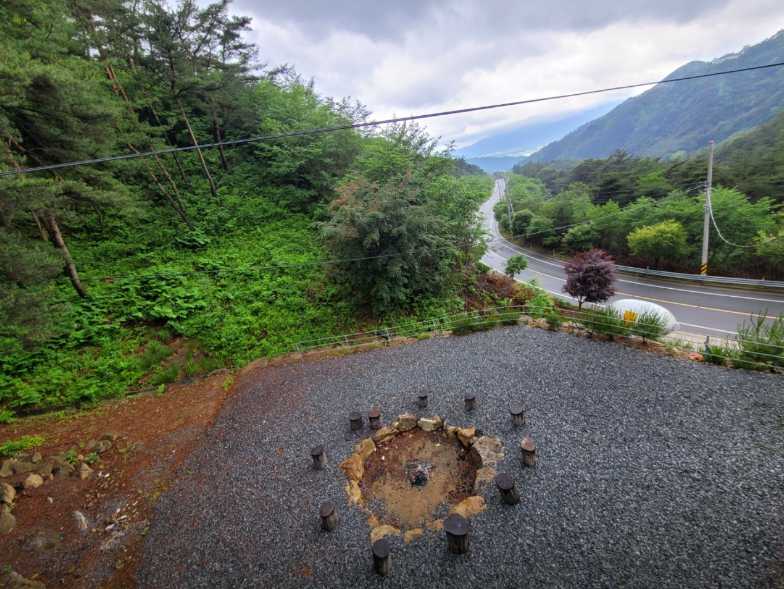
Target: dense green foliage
column 683, row 117
column 133, row 274
column 650, row 222
column 514, row 265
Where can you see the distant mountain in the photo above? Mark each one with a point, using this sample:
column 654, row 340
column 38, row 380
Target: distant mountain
column 491, row 164
column 682, row 117
column 525, row 138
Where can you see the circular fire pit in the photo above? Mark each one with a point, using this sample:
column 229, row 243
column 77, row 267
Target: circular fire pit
column 413, row 473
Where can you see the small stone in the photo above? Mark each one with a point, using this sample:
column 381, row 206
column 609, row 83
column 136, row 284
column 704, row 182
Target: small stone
column 406, row 422
column 7, row 493
column 484, row 476
column 63, row 469
column 430, row 424
column 466, row 435
column 102, row 446
column 353, row 467
column 696, row 356
column 7, row 520
column 451, row 430
column 384, row 434
column 45, row 469
column 85, row 472
column 469, row 506
column 365, row 448
column 490, row 450
column 7, row 469
column 354, row 493
column 412, row 535
column 36, row 458
column 23, row 467
column 81, row 521
column 381, row 531
column 33, row 481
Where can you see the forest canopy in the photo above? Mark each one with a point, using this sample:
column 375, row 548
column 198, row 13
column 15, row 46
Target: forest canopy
column 131, row 274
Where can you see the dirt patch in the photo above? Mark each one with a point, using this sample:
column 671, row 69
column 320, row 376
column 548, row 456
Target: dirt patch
column 415, row 477
column 155, row 434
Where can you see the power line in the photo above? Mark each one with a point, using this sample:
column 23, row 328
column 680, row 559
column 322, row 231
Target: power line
column 349, row 126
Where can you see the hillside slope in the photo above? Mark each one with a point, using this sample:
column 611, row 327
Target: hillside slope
column 673, row 118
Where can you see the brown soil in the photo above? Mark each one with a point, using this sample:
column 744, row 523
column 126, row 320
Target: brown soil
column 387, row 489
column 156, row 434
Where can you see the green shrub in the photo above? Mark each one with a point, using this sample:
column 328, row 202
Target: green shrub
column 509, row 317
column 468, row 325
column 760, row 343
column 540, row 306
column 606, row 321
column 554, row 320
column 154, row 352
column 12, row 447
column 718, row 355
column 165, row 375
column 648, row 325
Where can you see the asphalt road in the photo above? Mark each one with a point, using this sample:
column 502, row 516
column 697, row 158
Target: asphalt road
column 699, row 309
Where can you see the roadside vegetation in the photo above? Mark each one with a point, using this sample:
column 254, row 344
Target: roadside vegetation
column 131, row 275
column 649, row 213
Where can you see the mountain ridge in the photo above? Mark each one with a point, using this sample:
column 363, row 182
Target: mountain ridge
column 675, row 119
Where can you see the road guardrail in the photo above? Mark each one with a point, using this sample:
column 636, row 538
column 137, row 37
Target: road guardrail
column 706, row 279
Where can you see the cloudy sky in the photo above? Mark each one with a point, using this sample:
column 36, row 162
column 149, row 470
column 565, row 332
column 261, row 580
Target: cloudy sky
column 412, row 56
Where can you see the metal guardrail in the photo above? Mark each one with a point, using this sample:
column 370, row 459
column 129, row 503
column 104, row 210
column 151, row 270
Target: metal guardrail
column 728, row 280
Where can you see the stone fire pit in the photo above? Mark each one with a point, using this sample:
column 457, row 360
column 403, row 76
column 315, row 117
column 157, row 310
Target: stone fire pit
column 413, row 473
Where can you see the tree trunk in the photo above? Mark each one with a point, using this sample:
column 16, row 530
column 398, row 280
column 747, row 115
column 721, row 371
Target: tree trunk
column 41, row 228
column 213, row 188
column 217, row 132
column 59, row 243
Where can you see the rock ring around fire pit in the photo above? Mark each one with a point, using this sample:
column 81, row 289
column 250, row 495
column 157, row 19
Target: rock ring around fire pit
column 414, row 472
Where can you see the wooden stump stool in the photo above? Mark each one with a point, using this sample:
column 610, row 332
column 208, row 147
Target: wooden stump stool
column 517, row 410
column 382, row 563
column 319, row 457
column 329, row 517
column 355, row 419
column 457, row 528
column 374, row 418
column 507, row 489
column 528, row 451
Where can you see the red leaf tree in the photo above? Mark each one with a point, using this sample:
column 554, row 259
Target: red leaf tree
column 590, row 276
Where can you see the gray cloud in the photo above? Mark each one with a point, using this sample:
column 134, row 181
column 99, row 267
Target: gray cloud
column 394, row 20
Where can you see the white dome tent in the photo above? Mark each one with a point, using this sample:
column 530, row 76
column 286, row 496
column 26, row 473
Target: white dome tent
column 640, row 307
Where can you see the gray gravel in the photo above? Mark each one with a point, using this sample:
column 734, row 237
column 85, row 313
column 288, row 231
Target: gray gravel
column 653, row 472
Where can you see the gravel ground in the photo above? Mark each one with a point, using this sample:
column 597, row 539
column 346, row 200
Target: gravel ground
column 652, row 472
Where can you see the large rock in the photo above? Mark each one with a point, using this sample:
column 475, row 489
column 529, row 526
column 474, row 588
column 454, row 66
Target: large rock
column 365, row 448
column 385, row 433
column 7, row 469
column 354, row 492
column 353, row 467
column 7, row 520
column 7, row 494
column 490, row 450
column 23, row 467
column 405, row 422
column 33, row 481
column 469, row 506
column 466, row 435
column 430, row 424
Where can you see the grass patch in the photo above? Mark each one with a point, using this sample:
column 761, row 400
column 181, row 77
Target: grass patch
column 12, row 447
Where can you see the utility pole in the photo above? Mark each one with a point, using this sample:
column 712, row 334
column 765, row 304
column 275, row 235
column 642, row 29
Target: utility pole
column 706, row 222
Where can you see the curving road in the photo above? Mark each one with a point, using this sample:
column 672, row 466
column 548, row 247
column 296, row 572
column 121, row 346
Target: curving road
column 700, row 309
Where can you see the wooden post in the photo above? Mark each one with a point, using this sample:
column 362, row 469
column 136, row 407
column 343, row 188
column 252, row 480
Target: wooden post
column 470, row 402
column 329, row 517
column 374, row 418
column 422, row 401
column 355, row 419
column 518, row 414
column 319, row 457
column 382, row 563
column 528, row 451
column 456, row 528
column 507, row 489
